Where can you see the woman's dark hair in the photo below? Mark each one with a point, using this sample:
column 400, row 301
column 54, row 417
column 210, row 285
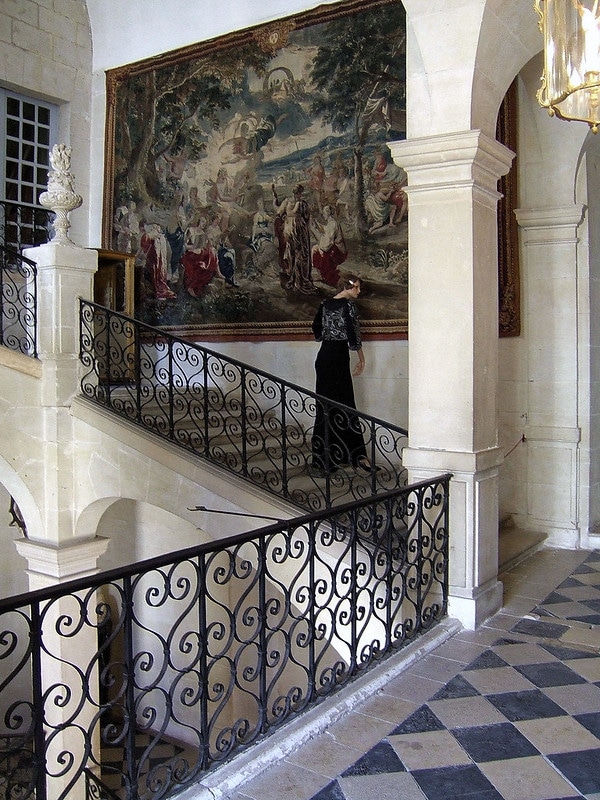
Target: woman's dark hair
column 347, row 282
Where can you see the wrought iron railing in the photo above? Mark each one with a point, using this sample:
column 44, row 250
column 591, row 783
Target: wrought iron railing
column 18, row 302
column 251, row 423
column 24, row 226
column 136, row 682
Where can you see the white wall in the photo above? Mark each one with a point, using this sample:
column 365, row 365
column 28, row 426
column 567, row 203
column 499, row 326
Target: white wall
column 588, row 188
column 544, row 375
column 383, row 388
column 46, row 51
column 13, row 580
column 155, row 527
column 167, row 25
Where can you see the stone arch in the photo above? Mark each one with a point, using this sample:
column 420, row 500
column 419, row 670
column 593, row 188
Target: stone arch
column 507, row 41
column 459, row 70
column 19, row 491
column 13, row 577
column 136, row 530
column 586, row 189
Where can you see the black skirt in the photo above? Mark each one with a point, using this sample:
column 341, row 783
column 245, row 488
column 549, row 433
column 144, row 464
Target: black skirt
column 337, row 436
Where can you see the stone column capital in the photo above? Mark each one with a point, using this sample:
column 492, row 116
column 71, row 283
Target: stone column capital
column 563, row 221
column 434, row 162
column 48, row 564
column 63, row 256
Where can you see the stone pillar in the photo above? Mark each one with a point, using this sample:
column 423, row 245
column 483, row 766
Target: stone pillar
column 69, row 640
column 69, row 645
column 550, row 239
column 48, row 566
column 65, row 273
column 453, row 347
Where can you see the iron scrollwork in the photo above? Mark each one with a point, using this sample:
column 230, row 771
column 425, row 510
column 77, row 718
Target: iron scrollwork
column 251, row 423
column 139, row 680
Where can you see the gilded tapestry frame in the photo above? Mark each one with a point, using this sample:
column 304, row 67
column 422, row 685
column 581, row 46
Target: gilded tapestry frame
column 509, row 276
column 272, row 112
column 233, row 304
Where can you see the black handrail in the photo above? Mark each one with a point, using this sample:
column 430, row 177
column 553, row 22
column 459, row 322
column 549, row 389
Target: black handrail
column 18, row 302
column 251, row 423
column 23, row 225
column 151, row 674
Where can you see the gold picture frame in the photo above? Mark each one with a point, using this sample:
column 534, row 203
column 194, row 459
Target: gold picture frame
column 262, row 105
column 114, row 288
column 207, row 144
column 509, row 276
column 114, row 281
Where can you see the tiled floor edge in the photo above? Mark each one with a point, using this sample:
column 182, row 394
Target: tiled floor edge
column 225, row 780
column 538, row 542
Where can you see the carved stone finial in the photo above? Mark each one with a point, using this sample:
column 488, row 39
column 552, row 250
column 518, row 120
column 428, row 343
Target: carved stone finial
column 61, row 197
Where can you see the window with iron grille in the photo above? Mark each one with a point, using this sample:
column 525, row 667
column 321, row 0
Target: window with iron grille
column 27, row 134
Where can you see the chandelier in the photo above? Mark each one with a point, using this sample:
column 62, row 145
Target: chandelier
column 571, row 80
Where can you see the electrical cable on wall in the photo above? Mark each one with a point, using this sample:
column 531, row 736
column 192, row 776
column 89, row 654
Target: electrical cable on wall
column 514, row 447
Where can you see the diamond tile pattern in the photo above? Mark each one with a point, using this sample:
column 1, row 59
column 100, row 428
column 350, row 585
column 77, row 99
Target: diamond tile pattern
column 518, row 721
column 521, row 721
column 162, row 756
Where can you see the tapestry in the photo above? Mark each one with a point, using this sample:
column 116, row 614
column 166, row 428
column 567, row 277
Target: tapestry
column 249, row 173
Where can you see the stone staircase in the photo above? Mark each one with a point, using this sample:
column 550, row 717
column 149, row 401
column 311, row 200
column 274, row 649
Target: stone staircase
column 254, row 443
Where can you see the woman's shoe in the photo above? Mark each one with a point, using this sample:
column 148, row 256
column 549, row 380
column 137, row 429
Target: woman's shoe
column 363, row 465
column 319, row 472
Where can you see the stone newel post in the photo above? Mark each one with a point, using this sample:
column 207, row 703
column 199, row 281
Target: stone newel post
column 53, row 553
column 61, row 197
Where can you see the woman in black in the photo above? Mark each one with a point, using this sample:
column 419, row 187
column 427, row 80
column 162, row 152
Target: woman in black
column 337, row 436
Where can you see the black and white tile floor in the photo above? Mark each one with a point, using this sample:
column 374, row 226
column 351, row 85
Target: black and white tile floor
column 510, row 711
column 151, row 758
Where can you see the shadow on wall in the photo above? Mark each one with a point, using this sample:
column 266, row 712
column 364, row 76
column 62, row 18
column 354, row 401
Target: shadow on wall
column 13, row 578
column 138, row 531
